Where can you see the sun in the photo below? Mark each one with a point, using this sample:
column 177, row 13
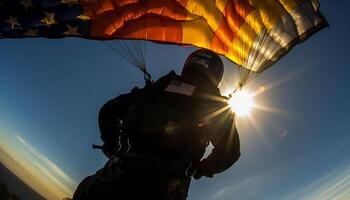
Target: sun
column 241, row 103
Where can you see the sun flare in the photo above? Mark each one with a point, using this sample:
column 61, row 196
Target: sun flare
column 241, row 103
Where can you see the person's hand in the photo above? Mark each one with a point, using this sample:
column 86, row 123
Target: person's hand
column 197, row 175
column 202, row 171
column 108, row 150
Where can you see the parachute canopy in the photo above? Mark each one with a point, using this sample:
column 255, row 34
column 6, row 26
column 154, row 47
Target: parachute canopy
column 254, row 34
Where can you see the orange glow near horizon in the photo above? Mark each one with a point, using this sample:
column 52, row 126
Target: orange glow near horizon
column 34, row 169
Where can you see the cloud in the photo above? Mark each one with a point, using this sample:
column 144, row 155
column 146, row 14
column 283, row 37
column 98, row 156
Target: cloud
column 34, row 168
column 332, row 186
column 47, row 164
column 52, row 177
column 243, row 190
column 283, row 133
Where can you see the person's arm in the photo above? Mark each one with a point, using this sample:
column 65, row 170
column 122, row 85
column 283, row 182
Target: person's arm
column 110, row 115
column 226, row 148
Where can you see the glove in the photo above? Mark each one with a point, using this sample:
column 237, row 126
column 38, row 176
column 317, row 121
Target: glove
column 197, row 175
column 202, row 171
column 108, row 150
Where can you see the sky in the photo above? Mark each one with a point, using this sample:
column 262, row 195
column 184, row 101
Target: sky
column 295, row 145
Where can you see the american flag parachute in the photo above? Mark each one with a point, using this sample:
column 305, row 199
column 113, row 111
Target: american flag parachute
column 253, row 34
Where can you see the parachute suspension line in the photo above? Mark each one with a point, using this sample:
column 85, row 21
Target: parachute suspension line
column 243, row 71
column 267, row 49
column 132, row 51
column 254, row 60
column 276, row 46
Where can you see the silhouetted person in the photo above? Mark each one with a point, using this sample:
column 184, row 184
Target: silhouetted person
column 155, row 137
column 5, row 194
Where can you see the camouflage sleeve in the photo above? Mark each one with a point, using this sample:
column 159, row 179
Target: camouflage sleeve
column 226, row 148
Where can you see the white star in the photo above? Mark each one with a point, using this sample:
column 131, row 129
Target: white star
column 72, row 31
column 49, row 19
column 13, row 21
column 27, row 4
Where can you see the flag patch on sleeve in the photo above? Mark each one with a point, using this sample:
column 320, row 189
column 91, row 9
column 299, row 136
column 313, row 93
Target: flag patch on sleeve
column 179, row 87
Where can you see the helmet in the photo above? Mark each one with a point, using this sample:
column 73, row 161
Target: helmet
column 206, row 62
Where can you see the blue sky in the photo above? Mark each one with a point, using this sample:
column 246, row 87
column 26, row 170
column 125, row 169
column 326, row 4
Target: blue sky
column 52, row 90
